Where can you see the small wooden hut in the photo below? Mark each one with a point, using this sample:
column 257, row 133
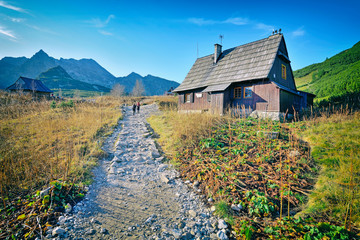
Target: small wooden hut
column 254, row 77
column 30, row 86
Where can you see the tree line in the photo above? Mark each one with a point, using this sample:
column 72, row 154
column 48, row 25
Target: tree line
column 118, row 90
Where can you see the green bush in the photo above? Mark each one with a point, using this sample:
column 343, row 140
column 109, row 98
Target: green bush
column 53, row 105
column 68, row 104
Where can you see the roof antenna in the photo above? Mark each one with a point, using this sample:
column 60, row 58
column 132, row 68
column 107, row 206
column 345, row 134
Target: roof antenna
column 221, row 38
column 280, row 30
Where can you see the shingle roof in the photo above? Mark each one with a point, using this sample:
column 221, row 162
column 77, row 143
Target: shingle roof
column 287, row 89
column 214, row 88
column 24, row 83
column 246, row 62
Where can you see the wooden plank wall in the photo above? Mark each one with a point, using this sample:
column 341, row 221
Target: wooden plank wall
column 265, row 96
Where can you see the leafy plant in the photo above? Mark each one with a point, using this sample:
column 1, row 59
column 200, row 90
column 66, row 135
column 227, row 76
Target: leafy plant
column 258, row 204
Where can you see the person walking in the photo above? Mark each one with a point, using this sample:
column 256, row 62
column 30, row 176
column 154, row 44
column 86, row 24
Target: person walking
column 138, row 107
column 134, row 108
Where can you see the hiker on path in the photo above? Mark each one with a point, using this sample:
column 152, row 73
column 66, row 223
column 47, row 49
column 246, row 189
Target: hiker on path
column 138, row 107
column 134, row 108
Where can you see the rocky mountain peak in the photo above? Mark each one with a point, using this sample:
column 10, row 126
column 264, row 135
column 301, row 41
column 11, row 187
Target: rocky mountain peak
column 40, row 54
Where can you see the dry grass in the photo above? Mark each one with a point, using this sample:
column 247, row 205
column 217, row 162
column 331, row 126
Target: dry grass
column 335, row 142
column 167, row 103
column 181, row 130
column 203, row 147
column 39, row 144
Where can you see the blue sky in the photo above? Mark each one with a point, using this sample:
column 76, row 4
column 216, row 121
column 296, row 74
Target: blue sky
column 161, row 38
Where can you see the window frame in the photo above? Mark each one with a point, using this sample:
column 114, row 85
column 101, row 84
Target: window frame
column 239, row 94
column 283, row 71
column 185, row 100
column 250, row 92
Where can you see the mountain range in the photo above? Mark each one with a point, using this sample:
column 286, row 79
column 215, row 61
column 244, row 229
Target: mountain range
column 83, row 74
column 334, row 77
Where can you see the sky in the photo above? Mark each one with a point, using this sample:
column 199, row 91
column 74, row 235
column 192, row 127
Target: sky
column 164, row 38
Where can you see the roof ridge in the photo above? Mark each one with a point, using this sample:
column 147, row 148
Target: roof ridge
column 241, row 63
column 250, row 43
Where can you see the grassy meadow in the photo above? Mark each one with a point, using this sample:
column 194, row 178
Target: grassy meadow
column 46, row 143
column 268, row 179
column 301, row 185
column 335, row 142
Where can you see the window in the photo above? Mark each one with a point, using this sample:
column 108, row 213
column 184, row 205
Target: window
column 247, row 92
column 283, row 71
column 209, row 96
column 237, row 92
column 187, row 97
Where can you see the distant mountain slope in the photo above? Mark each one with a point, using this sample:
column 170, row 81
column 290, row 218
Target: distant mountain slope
column 153, row 85
column 338, row 75
column 86, row 70
column 57, row 77
column 73, row 74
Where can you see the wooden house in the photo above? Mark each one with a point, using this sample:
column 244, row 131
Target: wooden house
column 256, row 78
column 30, row 86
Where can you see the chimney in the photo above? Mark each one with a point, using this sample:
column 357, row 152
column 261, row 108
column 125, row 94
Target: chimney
column 217, row 52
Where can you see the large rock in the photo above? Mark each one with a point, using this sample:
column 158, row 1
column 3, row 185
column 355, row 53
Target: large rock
column 222, row 235
column 222, row 224
column 176, row 233
column 163, row 167
column 236, row 208
column 155, row 154
column 164, row 178
column 192, row 213
column 58, row 231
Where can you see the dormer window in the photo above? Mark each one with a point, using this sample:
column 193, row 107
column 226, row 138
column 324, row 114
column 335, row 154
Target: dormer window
column 283, row 71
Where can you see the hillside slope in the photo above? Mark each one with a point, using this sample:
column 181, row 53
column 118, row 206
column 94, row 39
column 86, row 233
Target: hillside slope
column 57, row 77
column 86, row 70
column 338, row 75
column 153, row 85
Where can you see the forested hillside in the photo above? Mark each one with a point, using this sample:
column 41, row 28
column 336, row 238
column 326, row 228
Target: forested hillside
column 336, row 76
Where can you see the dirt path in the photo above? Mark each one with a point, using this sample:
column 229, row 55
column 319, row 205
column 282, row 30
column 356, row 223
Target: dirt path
column 136, row 196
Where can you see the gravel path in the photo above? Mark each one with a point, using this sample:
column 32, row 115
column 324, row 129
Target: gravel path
column 136, row 196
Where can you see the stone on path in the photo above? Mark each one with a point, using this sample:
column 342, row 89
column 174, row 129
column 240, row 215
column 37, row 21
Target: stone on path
column 192, row 213
column 222, row 224
column 58, row 231
column 164, row 179
column 222, row 235
column 130, row 185
column 236, row 207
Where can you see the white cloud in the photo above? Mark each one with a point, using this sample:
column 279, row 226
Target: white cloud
column 7, row 33
column 265, row 27
column 237, row 21
column 40, row 29
column 202, row 21
column 105, row 33
column 98, row 23
column 298, row 32
column 17, row 20
column 9, row 6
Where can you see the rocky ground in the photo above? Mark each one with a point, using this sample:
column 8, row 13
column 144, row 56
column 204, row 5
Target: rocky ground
column 136, row 196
